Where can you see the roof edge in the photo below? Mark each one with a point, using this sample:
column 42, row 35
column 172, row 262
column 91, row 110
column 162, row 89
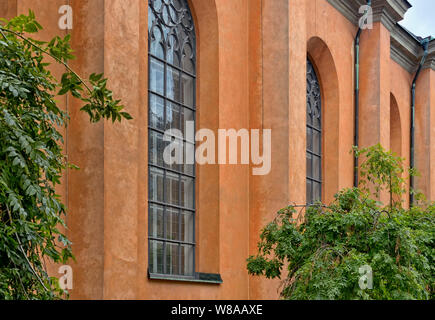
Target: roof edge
column 406, row 48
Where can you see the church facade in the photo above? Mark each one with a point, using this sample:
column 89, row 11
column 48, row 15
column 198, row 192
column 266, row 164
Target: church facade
column 145, row 229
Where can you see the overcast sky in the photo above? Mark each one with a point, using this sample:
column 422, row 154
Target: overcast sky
column 420, row 19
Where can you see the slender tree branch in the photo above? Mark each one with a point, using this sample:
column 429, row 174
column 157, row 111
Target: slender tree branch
column 2, row 30
column 22, row 285
column 2, row 33
column 24, row 253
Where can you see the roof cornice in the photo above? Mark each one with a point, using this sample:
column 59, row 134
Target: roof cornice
column 389, row 12
column 430, row 60
column 405, row 48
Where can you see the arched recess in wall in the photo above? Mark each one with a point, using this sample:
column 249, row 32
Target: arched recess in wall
column 205, row 17
column 396, row 131
column 205, row 73
column 206, row 92
column 324, row 65
column 395, row 127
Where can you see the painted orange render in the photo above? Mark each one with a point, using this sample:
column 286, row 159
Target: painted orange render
column 252, row 64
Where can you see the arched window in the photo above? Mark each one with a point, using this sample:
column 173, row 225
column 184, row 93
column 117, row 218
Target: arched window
column 314, row 136
column 172, row 91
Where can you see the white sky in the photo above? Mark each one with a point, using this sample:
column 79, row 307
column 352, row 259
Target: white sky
column 420, row 19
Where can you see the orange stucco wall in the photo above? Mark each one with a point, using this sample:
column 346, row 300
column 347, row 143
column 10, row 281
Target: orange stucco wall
column 251, row 74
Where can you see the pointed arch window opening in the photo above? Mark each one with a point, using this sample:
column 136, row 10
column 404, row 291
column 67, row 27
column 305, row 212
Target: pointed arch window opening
column 314, row 136
column 172, row 102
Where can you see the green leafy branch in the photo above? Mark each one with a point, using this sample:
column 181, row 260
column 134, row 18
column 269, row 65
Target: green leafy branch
column 322, row 246
column 99, row 100
column 31, row 156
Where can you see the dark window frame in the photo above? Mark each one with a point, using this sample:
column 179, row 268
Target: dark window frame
column 314, row 126
column 181, row 28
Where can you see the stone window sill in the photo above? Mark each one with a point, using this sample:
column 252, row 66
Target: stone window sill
column 207, row 278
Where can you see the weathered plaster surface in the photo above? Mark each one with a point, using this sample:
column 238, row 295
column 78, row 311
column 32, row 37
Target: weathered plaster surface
column 251, row 74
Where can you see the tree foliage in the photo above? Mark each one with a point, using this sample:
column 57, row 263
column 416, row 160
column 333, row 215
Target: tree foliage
column 324, row 249
column 31, row 157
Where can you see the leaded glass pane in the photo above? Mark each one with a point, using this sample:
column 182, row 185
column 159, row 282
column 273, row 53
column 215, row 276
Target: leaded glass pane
column 309, row 189
column 187, row 91
column 173, row 116
column 187, row 252
column 317, row 191
column 157, row 76
column 156, row 256
column 186, row 115
column 187, row 226
column 156, row 184
column 156, row 112
column 317, row 166
column 172, row 258
column 172, row 224
column 156, row 221
column 173, row 84
column 317, row 142
column 172, row 188
column 187, row 168
column 156, row 146
column 187, row 192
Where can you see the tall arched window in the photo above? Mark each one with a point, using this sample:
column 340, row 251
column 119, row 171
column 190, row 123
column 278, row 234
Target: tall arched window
column 172, row 91
column 314, row 136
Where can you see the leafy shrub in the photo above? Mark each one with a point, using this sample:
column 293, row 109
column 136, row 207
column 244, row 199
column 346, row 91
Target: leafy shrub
column 31, row 157
column 325, row 248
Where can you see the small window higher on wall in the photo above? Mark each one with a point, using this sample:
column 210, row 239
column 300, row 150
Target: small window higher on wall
column 314, row 136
